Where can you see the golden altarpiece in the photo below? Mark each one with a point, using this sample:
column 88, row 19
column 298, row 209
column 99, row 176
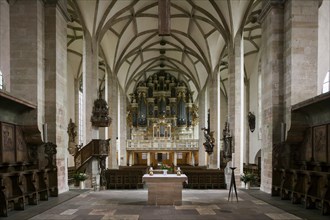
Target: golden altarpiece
column 162, row 120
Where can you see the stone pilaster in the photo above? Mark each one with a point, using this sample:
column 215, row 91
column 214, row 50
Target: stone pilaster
column 113, row 129
column 55, row 87
column 5, row 45
column 272, row 85
column 202, row 123
column 301, row 43
column 27, row 56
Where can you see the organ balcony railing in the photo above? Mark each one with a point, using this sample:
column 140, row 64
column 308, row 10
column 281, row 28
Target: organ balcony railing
column 163, row 144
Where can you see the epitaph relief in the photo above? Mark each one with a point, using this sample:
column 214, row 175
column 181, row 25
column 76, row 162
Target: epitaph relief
column 21, row 150
column 7, row 143
column 320, row 143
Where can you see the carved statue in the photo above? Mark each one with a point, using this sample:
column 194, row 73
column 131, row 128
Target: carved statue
column 209, row 140
column 209, row 136
column 129, row 117
column 252, row 121
column 195, row 116
column 72, row 131
column 227, row 141
column 72, row 137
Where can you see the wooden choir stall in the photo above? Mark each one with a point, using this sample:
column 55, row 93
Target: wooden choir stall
column 28, row 171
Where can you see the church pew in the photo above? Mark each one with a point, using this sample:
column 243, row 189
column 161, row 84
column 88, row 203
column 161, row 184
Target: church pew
column 202, row 179
column 124, row 178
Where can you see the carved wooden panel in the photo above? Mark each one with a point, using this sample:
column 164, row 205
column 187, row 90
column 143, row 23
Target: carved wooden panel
column 307, row 145
column 320, row 143
column 21, row 150
column 7, row 143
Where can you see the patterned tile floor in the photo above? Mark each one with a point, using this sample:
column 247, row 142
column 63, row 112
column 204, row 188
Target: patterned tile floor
column 197, row 204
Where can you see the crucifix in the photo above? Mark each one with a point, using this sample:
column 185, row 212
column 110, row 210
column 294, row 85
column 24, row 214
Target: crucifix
column 164, row 18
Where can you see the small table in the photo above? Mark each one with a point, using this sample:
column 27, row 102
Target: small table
column 164, row 189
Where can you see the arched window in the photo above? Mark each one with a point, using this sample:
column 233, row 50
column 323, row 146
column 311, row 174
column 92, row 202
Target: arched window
column 1, row 80
column 326, row 83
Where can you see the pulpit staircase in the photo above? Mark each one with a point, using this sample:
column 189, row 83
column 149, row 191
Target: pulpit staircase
column 90, row 159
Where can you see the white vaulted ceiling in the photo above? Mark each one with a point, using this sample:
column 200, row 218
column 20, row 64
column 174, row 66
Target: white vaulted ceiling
column 127, row 31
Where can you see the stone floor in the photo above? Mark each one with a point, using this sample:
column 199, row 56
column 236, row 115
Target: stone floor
column 197, row 204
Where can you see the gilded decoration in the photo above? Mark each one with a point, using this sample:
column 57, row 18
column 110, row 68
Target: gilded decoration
column 161, row 107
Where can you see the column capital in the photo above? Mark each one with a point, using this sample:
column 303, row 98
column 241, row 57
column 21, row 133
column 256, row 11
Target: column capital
column 267, row 5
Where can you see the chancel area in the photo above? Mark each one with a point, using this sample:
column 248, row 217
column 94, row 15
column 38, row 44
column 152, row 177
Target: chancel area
column 99, row 100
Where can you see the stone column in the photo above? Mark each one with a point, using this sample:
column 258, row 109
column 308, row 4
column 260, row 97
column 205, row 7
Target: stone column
column 5, row 45
column 148, row 159
column 236, row 102
column 301, row 43
column 90, row 85
column 192, row 158
column 130, row 155
column 113, row 113
column 55, row 85
column 214, row 105
column 202, row 123
column 239, row 104
column 272, row 85
column 27, row 56
column 122, row 128
column 175, row 159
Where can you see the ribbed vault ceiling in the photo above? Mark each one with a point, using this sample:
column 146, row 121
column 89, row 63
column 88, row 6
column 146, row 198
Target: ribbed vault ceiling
column 131, row 48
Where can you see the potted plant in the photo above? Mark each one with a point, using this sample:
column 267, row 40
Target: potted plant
column 247, row 177
column 80, row 177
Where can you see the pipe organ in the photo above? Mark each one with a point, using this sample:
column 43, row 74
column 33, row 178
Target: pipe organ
column 162, row 105
column 161, row 112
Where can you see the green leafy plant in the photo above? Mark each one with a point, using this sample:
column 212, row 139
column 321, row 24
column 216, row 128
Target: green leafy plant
column 248, row 177
column 80, row 176
column 166, row 167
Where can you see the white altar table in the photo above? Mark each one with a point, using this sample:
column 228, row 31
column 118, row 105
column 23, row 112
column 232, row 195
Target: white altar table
column 164, row 189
